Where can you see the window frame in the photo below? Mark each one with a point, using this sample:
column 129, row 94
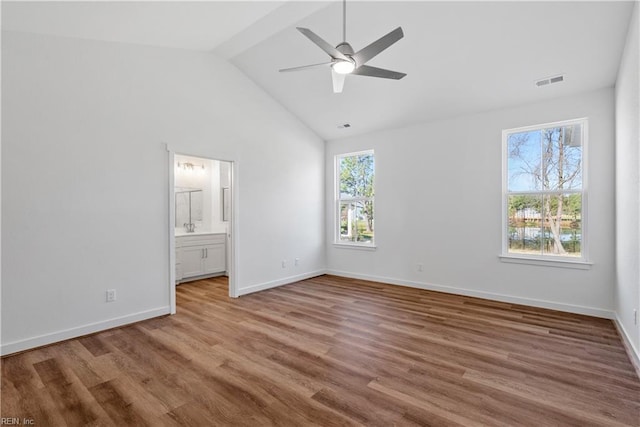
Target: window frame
column 338, row 199
column 581, row 262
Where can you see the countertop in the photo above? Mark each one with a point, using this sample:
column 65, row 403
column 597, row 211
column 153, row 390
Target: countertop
column 179, row 232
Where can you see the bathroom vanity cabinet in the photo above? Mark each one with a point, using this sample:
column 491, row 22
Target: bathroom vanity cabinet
column 200, row 255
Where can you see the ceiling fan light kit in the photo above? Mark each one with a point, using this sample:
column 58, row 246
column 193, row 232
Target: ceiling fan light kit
column 344, row 60
column 343, row 67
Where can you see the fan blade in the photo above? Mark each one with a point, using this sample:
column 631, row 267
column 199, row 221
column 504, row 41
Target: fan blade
column 366, row 70
column 365, row 54
column 330, row 50
column 338, row 81
column 305, row 67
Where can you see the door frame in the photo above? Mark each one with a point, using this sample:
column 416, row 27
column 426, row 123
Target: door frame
column 232, row 231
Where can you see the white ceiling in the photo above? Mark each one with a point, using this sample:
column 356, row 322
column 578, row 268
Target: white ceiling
column 460, row 57
column 196, row 25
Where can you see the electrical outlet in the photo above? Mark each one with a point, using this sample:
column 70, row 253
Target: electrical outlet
column 420, row 267
column 111, row 295
column 296, row 262
column 284, row 263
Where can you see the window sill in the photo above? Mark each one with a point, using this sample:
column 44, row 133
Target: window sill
column 355, row 246
column 546, row 262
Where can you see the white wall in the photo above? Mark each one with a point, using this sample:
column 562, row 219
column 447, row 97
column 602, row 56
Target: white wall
column 438, row 202
column 627, row 290
column 85, row 179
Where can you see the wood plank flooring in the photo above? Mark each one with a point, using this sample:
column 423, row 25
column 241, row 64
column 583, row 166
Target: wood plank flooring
column 331, row 351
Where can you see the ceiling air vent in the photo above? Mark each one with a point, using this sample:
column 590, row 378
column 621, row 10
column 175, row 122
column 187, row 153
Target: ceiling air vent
column 549, row 80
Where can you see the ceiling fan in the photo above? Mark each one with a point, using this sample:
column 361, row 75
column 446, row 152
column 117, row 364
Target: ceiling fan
column 344, row 60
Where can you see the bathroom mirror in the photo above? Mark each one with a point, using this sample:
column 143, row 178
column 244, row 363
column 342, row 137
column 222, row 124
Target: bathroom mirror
column 188, row 206
column 226, row 204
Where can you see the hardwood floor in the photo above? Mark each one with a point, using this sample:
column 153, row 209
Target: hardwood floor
column 332, row 351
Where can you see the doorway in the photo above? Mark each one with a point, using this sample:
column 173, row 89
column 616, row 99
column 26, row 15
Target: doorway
column 202, row 224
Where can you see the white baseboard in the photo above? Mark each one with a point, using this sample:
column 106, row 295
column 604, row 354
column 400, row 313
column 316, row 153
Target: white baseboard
column 275, row 283
column 589, row 311
column 633, row 352
column 53, row 337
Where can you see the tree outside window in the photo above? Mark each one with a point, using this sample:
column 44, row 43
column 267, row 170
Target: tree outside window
column 355, row 198
column 545, row 190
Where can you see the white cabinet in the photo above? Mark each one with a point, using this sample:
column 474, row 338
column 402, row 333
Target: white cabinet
column 214, row 258
column 200, row 255
column 192, row 261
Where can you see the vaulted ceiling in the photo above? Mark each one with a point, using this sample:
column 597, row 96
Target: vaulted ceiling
column 460, row 57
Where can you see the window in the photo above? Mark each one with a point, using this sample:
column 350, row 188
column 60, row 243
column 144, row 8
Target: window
column 355, row 198
column 545, row 191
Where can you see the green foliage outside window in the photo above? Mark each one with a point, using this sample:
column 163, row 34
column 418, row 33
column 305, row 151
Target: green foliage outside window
column 356, row 192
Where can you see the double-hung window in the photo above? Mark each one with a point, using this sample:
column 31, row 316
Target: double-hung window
column 544, row 197
column 355, row 174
